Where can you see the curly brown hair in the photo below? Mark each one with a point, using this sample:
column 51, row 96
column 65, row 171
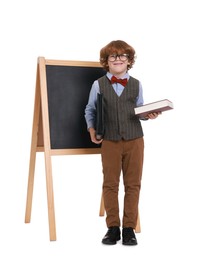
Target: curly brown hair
column 117, row 47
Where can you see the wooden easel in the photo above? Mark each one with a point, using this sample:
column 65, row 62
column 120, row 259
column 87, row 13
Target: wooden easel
column 41, row 140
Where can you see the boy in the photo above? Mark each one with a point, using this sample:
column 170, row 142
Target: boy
column 122, row 145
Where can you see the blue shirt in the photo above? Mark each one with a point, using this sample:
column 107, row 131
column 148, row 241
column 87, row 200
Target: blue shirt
column 90, row 110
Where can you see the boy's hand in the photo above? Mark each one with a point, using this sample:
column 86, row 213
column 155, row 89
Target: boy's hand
column 93, row 136
column 153, row 115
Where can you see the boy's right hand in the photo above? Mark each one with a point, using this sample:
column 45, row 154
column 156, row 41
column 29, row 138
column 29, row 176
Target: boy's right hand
column 93, row 136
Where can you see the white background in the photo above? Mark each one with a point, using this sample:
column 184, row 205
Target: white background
column 165, row 35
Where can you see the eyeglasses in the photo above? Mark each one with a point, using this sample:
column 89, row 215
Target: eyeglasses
column 122, row 57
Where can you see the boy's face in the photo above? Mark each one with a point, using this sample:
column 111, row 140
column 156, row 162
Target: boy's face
column 118, row 67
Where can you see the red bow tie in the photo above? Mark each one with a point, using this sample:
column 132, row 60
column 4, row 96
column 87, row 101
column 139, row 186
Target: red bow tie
column 116, row 80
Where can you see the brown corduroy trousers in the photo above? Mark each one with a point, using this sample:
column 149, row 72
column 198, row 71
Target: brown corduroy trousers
column 126, row 157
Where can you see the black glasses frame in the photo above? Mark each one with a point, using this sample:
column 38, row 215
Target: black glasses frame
column 122, row 57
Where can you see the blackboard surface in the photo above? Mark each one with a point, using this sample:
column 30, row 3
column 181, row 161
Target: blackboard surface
column 68, row 90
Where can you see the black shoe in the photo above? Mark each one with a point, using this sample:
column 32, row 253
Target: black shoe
column 112, row 236
column 129, row 237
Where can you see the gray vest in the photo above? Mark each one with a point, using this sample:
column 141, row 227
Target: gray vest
column 119, row 118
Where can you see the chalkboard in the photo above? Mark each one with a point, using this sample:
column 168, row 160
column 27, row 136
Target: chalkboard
column 68, row 90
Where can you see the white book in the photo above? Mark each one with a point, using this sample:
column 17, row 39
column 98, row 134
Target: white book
column 158, row 106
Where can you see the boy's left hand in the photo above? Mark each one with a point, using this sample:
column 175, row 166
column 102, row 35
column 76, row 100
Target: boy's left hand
column 153, row 115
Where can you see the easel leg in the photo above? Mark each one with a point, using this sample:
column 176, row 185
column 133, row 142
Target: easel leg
column 47, row 148
column 102, row 208
column 30, row 187
column 138, row 228
column 33, row 151
column 50, row 198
